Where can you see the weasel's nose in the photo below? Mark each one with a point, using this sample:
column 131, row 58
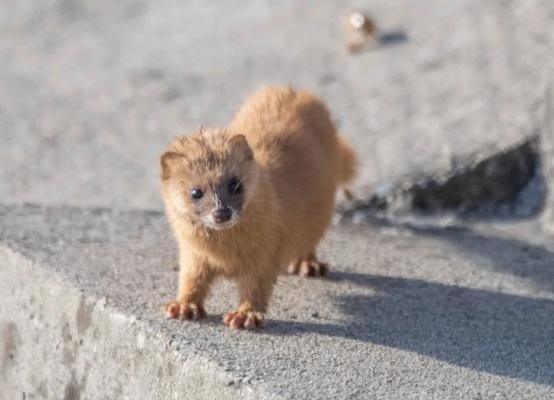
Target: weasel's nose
column 222, row 215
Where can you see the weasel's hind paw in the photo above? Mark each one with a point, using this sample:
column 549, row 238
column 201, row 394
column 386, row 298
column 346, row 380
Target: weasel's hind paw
column 182, row 311
column 244, row 320
column 309, row 266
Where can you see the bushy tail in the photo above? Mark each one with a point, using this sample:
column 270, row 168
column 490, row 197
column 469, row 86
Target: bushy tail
column 348, row 162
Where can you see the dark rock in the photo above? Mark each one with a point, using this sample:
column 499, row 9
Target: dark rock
column 482, row 185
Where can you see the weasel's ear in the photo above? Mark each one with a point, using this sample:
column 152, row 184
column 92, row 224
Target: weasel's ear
column 169, row 161
column 239, row 143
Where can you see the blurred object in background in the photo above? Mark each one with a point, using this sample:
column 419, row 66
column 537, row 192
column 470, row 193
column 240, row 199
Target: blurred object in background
column 361, row 31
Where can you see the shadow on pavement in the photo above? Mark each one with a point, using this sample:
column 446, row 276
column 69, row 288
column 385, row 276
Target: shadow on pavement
column 498, row 333
column 393, row 37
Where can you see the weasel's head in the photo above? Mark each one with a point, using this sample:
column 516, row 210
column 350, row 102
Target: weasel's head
column 209, row 178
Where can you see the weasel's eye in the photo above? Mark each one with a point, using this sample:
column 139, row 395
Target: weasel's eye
column 196, row 194
column 235, row 187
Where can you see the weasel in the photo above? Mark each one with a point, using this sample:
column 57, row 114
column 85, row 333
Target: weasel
column 247, row 200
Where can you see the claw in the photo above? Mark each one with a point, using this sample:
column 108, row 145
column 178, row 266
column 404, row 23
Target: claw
column 309, row 266
column 184, row 311
column 243, row 320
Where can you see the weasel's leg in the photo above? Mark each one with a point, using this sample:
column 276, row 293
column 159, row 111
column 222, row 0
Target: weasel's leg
column 194, row 284
column 308, row 266
column 254, row 292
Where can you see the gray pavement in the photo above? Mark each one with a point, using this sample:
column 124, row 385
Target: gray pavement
column 92, row 91
column 404, row 315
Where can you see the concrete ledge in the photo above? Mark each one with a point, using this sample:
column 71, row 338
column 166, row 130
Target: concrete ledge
column 404, row 314
column 60, row 343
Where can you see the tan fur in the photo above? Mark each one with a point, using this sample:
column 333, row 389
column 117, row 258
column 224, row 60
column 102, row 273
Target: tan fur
column 299, row 162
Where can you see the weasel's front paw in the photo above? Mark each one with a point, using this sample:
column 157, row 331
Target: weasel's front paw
column 177, row 310
column 308, row 267
column 244, row 320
